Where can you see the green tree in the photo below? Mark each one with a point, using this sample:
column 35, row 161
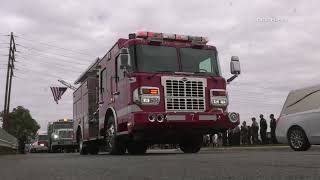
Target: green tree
column 22, row 125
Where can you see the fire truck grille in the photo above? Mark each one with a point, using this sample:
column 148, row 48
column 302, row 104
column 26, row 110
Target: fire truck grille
column 185, row 95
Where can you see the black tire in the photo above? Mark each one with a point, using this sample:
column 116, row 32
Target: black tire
column 82, row 147
column 193, row 145
column 53, row 149
column 115, row 144
column 137, row 148
column 93, row 148
column 298, row 140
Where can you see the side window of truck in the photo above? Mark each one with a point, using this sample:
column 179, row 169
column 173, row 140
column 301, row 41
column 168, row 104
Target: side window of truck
column 119, row 71
column 103, row 81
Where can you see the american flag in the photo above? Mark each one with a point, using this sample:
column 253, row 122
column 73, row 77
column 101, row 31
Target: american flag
column 57, row 92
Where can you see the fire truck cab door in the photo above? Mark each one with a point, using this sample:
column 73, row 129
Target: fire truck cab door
column 121, row 93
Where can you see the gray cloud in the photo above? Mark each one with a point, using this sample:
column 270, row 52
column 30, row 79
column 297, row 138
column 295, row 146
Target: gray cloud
column 274, row 40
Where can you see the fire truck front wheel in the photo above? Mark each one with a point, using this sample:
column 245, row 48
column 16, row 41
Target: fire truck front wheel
column 82, row 148
column 116, row 144
column 192, row 144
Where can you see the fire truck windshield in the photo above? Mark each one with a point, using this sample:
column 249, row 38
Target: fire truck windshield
column 156, row 58
column 149, row 58
column 199, row 60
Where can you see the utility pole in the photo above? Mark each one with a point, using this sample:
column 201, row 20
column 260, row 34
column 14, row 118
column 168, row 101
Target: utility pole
column 10, row 68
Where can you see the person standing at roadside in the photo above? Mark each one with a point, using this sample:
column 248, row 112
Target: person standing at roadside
column 236, row 136
column 254, row 131
column 244, row 133
column 263, row 129
column 250, row 135
column 273, row 125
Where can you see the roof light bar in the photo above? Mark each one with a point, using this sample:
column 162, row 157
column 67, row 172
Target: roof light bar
column 173, row 37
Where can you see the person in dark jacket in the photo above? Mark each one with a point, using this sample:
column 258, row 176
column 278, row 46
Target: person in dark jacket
column 236, row 136
column 244, row 133
column 263, row 129
column 273, row 124
column 254, row 130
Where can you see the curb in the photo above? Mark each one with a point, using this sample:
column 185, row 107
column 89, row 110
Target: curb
column 246, row 148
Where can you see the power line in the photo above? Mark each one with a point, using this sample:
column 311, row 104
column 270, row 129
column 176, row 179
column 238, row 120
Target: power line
column 47, row 60
column 50, row 45
column 27, row 70
column 59, row 67
column 43, row 78
column 58, row 58
column 50, row 53
column 38, row 72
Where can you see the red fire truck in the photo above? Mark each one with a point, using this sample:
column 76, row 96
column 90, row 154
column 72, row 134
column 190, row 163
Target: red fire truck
column 152, row 88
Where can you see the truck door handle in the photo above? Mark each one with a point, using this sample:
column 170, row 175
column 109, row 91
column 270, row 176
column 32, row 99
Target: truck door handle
column 116, row 93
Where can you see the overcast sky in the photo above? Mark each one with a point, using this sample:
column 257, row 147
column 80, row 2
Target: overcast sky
column 277, row 43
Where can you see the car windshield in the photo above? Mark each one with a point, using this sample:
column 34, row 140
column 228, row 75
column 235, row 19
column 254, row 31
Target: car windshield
column 151, row 58
column 43, row 137
column 199, row 60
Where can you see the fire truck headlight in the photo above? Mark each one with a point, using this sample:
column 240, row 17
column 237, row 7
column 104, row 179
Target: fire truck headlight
column 219, row 101
column 55, row 136
column 154, row 100
column 147, row 95
column 218, row 98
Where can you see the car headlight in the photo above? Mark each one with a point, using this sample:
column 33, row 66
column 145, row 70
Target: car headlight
column 147, row 96
column 218, row 97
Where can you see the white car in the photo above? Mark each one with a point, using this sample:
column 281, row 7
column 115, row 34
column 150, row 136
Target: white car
column 299, row 121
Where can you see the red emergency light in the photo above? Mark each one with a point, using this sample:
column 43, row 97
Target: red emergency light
column 172, row 37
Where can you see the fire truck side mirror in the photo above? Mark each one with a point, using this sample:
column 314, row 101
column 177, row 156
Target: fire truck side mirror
column 235, row 65
column 124, row 61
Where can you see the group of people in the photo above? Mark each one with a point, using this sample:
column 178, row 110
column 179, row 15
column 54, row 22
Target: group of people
column 245, row 135
column 250, row 134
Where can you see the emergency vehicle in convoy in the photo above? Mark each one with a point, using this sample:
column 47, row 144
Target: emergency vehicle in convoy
column 152, row 88
column 61, row 136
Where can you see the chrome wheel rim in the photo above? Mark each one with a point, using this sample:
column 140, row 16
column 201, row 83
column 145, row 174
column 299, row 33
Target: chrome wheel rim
column 110, row 134
column 296, row 139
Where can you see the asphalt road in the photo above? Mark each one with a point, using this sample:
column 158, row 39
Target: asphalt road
column 237, row 163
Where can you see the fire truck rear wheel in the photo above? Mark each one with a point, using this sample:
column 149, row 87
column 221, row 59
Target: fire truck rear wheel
column 93, row 148
column 115, row 143
column 192, row 145
column 137, row 148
